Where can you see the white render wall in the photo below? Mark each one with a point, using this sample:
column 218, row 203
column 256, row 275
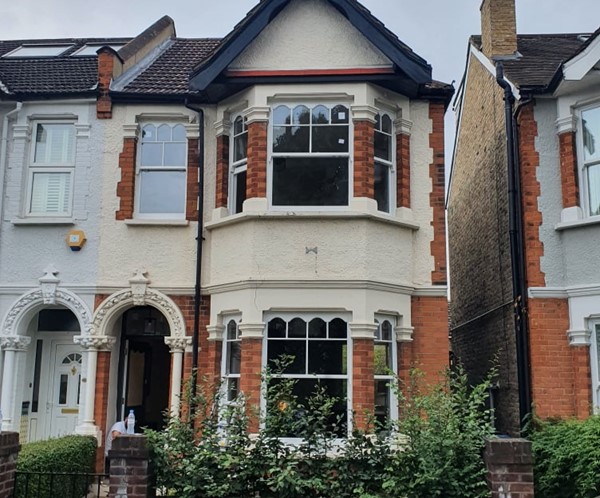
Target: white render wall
column 309, row 34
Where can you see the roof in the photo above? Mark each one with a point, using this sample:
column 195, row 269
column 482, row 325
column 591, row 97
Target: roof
column 542, row 58
column 44, row 76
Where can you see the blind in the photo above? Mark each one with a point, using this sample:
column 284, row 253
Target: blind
column 51, row 194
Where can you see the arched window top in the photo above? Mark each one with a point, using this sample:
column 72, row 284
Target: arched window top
column 72, row 358
column 240, row 125
column 163, row 133
column 233, row 331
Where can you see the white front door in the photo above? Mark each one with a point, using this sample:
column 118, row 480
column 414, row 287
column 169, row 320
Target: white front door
column 65, row 391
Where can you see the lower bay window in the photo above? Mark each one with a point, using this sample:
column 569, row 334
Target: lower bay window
column 385, row 369
column 232, row 356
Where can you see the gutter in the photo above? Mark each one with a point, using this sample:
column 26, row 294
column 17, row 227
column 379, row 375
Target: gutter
column 199, row 239
column 517, row 250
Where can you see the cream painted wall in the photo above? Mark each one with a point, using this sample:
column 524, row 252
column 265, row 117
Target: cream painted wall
column 309, row 34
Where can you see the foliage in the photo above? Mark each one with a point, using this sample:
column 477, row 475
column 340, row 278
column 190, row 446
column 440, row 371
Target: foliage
column 567, row 458
column 439, row 453
column 70, row 454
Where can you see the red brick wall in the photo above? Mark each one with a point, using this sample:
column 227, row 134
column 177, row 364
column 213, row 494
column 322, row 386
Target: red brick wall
column 560, row 373
column 105, row 73
column 250, row 378
column 126, row 187
column 568, row 170
column 530, row 187
column 403, row 170
column 436, row 198
column 363, row 384
column 193, row 156
column 222, row 171
column 364, row 159
column 256, row 176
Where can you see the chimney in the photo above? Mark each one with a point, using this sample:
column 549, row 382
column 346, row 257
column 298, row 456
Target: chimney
column 498, row 28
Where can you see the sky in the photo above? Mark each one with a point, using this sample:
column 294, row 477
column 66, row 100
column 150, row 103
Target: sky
column 437, row 30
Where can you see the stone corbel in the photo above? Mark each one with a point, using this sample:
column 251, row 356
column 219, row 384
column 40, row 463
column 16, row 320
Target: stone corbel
column 403, row 126
column 95, row 342
column 404, row 334
column 49, row 283
column 363, row 330
column 15, row 342
column 566, row 124
column 257, row 114
column 252, row 330
column 364, row 113
column 579, row 337
column 178, row 344
column 215, row 332
column 139, row 285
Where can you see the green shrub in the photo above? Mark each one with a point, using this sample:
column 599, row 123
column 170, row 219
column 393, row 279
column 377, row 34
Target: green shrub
column 70, row 454
column 567, row 458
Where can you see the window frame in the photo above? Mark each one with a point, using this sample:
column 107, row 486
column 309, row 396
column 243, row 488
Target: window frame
column 393, row 398
column 226, row 376
column 391, row 164
column 34, row 167
column 595, row 362
column 139, row 168
column 236, row 167
column 583, row 165
column 271, row 155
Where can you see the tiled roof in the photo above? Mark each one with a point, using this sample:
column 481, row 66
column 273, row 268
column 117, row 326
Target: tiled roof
column 542, row 56
column 64, row 75
column 169, row 73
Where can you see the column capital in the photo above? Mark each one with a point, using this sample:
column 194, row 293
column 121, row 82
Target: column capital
column 178, row 344
column 566, row 124
column 403, row 126
column 364, row 113
column 95, row 342
column 257, row 114
column 215, row 332
column 223, row 127
column 252, row 330
column 14, row 342
column 579, row 337
column 363, row 330
column 404, row 334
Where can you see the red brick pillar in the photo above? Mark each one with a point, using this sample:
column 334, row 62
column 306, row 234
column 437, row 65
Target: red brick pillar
column 510, row 468
column 363, row 381
column 211, row 360
column 251, row 370
column 222, row 180
column 256, row 175
column 9, row 451
column 193, row 169
column 101, row 401
column 403, row 170
column 568, row 169
column 364, row 158
column 126, row 187
column 130, row 472
column 437, row 199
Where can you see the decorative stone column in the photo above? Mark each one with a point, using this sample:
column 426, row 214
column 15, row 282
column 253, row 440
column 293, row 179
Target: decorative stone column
column 14, row 347
column 250, row 376
column 363, row 373
column 91, row 345
column 177, row 347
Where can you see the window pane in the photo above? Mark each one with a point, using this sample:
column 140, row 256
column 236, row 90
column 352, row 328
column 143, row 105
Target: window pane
column 51, row 193
column 152, row 154
column 233, row 389
column 276, row 328
column 240, row 147
column 292, row 348
column 175, row 154
column 291, row 139
column 386, row 331
column 179, row 134
column 297, row 328
column 78, row 389
column 310, row 181
column 340, row 115
column 591, row 134
column 37, row 371
column 149, row 134
column 234, row 356
column 383, row 358
column 317, row 329
column 327, row 357
column 164, row 133
column 382, row 187
column 330, row 139
column 338, row 329
column 162, row 192
column 301, row 115
column 62, row 390
column 386, row 124
column 238, row 126
column 320, row 115
column 240, row 191
column 54, row 144
column 281, row 115
column 57, row 320
column 382, row 401
column 383, row 146
column 231, row 330
column 594, row 188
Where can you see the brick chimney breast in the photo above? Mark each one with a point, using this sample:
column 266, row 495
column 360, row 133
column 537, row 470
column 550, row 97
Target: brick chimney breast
column 498, row 27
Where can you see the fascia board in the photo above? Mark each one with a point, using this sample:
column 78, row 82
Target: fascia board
column 576, row 68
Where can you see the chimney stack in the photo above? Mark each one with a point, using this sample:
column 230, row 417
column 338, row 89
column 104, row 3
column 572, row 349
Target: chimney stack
column 498, row 27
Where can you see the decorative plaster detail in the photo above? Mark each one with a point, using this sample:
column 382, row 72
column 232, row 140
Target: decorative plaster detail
column 95, row 342
column 15, row 342
column 21, row 132
column 178, row 344
column 252, row 330
column 83, row 130
column 130, row 131
column 257, row 114
column 139, row 285
column 35, row 297
column 363, row 330
column 566, row 124
column 403, row 126
column 49, row 283
column 364, row 113
column 223, row 127
column 579, row 337
column 215, row 332
column 404, row 334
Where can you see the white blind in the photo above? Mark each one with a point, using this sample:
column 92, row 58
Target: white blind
column 51, row 194
column 54, row 144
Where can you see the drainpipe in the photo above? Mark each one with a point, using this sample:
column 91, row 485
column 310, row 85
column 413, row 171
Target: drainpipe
column 197, row 294
column 517, row 251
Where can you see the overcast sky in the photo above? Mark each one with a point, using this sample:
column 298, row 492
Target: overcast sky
column 437, row 30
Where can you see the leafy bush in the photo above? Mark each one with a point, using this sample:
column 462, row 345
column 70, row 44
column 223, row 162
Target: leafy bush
column 443, row 432
column 567, row 458
column 70, row 454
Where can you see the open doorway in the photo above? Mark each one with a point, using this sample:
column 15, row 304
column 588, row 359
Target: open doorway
column 144, row 366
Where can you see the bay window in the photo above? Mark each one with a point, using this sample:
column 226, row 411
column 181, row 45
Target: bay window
column 384, row 164
column 310, row 155
column 239, row 164
column 51, row 170
column 161, row 183
column 590, row 123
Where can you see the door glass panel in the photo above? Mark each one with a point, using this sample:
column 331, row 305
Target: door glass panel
column 78, row 388
column 37, row 370
column 62, row 390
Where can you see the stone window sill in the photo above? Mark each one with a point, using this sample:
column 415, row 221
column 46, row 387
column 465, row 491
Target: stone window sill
column 157, row 223
column 42, row 221
column 566, row 225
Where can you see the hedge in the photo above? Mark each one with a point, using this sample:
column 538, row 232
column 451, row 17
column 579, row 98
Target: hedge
column 70, row 454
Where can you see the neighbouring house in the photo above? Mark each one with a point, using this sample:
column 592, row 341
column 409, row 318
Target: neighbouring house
column 309, row 143
column 524, row 221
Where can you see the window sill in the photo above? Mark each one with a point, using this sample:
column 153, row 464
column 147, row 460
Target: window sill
column 157, row 223
column 42, row 221
column 566, row 225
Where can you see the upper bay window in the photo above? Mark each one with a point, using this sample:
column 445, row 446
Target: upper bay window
column 239, row 164
column 51, row 170
column 384, row 161
column 161, row 183
column 310, row 155
column 590, row 157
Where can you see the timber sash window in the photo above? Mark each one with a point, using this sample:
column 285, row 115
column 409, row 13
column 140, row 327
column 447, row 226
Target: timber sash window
column 51, row 170
column 310, row 156
column 385, row 369
column 590, row 122
column 384, row 164
column 232, row 360
column 239, row 165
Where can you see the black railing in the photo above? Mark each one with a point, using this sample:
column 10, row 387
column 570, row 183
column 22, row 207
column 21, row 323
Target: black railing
column 60, row 485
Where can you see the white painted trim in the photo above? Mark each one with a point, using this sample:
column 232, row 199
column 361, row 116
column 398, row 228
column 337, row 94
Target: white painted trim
column 363, row 330
column 43, row 221
column 564, row 292
column 579, row 337
column 566, row 124
column 580, row 65
column 595, row 363
column 578, row 223
column 167, row 222
column 252, row 330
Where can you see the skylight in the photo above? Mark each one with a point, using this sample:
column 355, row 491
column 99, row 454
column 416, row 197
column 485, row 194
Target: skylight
column 93, row 48
column 38, row 50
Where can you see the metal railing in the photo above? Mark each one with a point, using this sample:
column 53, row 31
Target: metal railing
column 60, row 485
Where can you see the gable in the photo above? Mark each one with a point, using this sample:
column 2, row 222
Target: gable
column 310, row 34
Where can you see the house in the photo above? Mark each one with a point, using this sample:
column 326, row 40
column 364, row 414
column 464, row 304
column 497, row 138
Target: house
column 523, row 218
column 300, row 159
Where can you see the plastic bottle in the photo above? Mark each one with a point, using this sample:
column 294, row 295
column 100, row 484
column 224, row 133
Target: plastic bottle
column 131, row 422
